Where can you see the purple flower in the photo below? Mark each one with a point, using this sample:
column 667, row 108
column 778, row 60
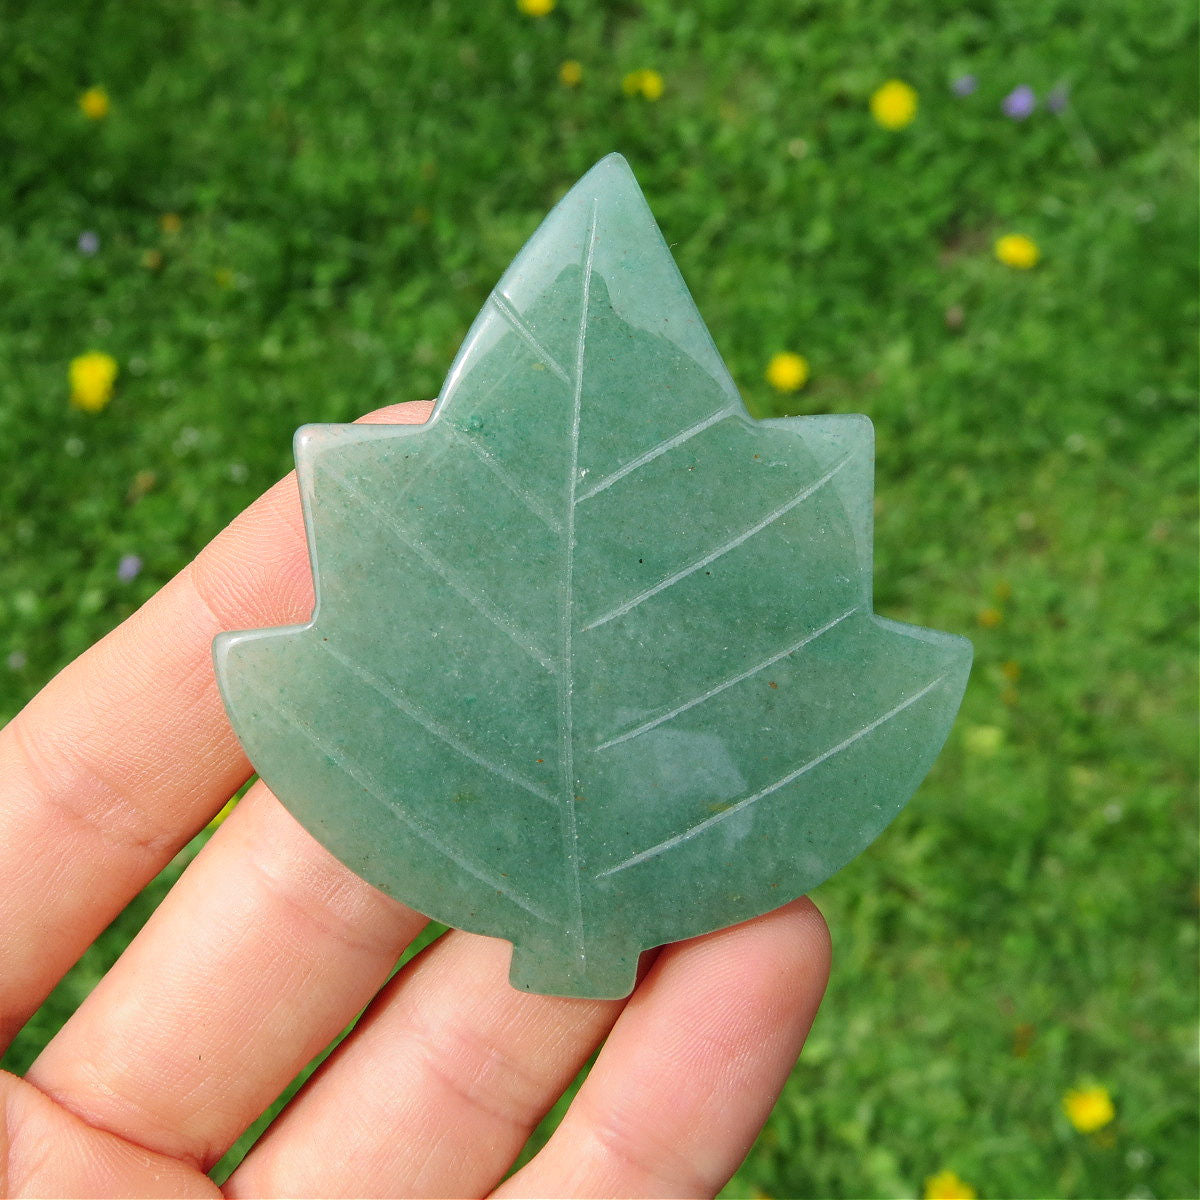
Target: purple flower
column 964, row 85
column 88, row 243
column 1056, row 101
column 1019, row 103
column 129, row 568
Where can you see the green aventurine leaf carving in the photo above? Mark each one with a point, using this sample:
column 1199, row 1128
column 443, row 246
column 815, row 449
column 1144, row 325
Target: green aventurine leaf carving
column 593, row 664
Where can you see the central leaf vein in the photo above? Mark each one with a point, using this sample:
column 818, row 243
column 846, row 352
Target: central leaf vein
column 565, row 674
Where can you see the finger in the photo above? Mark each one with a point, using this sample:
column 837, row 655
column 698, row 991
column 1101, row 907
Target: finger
column 437, row 1089
column 693, row 1066
column 465, row 1066
column 127, row 752
column 47, row 1152
column 258, row 957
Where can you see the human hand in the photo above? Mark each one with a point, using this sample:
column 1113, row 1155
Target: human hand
column 267, row 947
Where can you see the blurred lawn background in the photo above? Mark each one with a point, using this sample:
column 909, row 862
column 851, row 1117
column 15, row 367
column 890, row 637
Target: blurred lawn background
column 292, row 210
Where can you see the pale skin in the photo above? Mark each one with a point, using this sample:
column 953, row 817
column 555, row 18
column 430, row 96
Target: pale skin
column 267, row 947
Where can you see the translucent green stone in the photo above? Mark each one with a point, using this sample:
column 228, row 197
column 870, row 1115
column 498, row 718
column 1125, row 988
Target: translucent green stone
column 593, row 664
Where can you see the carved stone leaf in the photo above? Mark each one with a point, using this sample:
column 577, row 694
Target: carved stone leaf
column 593, row 664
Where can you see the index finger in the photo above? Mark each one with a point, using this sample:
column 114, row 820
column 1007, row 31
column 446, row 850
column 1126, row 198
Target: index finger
column 127, row 752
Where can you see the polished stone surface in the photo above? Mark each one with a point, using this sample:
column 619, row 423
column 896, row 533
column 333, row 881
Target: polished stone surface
column 593, row 664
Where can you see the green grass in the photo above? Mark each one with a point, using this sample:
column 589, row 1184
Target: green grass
column 352, row 179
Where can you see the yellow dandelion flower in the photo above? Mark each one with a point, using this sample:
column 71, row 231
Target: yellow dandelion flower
column 536, row 8
column 1089, row 1108
column 94, row 103
column 152, row 259
column 570, row 74
column 989, row 618
column 946, row 1185
column 92, row 377
column 645, row 82
column 1017, row 251
column 170, row 223
column 787, row 372
column 652, row 85
column 1011, row 670
column 894, row 105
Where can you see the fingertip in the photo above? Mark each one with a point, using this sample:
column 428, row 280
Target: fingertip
column 793, row 938
column 814, row 935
